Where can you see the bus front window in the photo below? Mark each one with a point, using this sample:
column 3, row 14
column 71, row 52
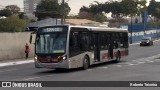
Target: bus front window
column 49, row 43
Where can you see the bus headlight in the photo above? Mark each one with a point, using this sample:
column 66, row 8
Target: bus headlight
column 64, row 58
column 61, row 58
column 35, row 58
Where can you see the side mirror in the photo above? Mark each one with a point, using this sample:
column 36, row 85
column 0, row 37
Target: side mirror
column 30, row 40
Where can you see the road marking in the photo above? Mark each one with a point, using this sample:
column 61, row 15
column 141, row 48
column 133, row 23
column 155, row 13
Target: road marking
column 118, row 65
column 103, row 67
column 89, row 69
column 130, row 64
column 140, row 62
column 157, row 59
column 16, row 63
column 31, row 78
column 8, row 70
column 150, row 61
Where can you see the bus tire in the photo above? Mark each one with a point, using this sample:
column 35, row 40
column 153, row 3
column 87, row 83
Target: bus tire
column 118, row 57
column 85, row 63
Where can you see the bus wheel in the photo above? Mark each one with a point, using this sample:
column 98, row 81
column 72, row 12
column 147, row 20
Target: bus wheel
column 85, row 63
column 118, row 57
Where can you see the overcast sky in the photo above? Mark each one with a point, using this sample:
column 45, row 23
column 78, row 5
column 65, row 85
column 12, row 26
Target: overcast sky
column 74, row 4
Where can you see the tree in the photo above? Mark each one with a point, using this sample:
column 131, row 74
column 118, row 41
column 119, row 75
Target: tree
column 13, row 8
column 129, row 7
column 153, row 8
column 85, row 9
column 85, row 15
column 12, row 24
column 5, row 12
column 50, row 8
column 100, row 17
column 93, row 12
column 67, row 9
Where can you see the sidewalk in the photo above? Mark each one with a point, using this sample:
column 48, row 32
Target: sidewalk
column 4, row 63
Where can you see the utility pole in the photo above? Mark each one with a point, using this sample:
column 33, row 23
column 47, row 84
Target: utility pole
column 131, row 30
column 63, row 11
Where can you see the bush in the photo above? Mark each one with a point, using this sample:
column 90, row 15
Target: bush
column 12, row 24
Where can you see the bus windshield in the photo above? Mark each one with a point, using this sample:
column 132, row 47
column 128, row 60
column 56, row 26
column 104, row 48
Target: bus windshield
column 51, row 42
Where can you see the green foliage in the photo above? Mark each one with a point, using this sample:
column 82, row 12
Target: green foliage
column 151, row 7
column 10, row 10
column 13, row 8
column 118, row 9
column 50, row 8
column 154, row 9
column 5, row 12
column 12, row 24
column 99, row 17
column 93, row 12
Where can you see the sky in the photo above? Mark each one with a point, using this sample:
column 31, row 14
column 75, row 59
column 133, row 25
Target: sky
column 74, row 4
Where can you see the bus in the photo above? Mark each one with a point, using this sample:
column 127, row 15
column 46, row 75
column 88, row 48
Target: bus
column 69, row 46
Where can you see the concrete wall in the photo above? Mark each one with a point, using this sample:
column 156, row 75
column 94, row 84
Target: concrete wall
column 12, row 45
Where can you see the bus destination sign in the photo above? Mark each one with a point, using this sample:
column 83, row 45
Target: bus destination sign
column 52, row 29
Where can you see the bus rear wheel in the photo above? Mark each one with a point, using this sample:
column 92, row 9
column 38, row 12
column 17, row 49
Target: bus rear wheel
column 85, row 63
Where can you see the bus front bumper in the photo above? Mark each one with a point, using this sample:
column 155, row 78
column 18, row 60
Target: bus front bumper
column 63, row 64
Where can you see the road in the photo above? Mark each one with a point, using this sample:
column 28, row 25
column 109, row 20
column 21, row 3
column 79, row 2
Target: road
column 140, row 65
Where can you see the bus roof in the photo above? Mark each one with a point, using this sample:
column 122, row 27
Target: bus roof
column 100, row 28
column 93, row 28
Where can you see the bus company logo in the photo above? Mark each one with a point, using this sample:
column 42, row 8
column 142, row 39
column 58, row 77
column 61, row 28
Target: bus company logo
column 6, row 84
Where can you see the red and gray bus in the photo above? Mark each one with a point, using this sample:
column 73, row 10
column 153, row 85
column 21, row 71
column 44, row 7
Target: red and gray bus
column 69, row 46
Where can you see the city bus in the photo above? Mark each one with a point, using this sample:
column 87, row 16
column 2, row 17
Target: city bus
column 71, row 46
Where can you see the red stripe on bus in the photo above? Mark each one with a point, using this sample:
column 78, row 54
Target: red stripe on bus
column 105, row 56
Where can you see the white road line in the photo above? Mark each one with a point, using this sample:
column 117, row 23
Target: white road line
column 130, row 64
column 103, row 67
column 150, row 61
column 118, row 65
column 31, row 78
column 140, row 62
column 8, row 70
column 15, row 63
column 89, row 69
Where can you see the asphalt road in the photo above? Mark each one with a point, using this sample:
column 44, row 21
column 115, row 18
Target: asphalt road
column 140, row 65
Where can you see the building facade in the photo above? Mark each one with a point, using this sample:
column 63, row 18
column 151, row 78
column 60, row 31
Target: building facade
column 30, row 5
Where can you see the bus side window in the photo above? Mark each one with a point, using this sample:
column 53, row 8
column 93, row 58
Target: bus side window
column 121, row 39
column 124, row 40
column 74, row 40
column 125, row 36
column 84, row 41
column 103, row 41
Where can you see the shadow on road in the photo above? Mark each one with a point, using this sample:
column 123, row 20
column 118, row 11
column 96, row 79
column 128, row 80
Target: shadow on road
column 62, row 71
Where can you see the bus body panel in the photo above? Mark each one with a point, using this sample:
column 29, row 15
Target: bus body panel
column 77, row 60
column 63, row 64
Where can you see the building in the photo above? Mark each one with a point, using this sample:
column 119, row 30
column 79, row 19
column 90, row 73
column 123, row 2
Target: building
column 30, row 5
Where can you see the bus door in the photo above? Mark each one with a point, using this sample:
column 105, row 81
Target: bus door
column 111, row 46
column 96, row 47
